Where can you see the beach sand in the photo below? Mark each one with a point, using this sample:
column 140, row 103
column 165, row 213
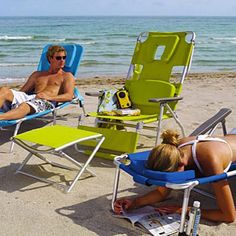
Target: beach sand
column 30, row 207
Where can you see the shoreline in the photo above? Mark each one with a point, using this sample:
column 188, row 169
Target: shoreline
column 119, row 79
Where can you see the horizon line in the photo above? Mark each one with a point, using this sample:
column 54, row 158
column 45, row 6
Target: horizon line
column 119, row 16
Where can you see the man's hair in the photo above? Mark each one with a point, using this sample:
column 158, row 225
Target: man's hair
column 53, row 49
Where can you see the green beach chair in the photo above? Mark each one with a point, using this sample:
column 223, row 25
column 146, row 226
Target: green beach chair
column 48, row 143
column 159, row 65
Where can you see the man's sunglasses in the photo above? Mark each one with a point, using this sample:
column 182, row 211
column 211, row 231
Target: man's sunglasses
column 58, row 58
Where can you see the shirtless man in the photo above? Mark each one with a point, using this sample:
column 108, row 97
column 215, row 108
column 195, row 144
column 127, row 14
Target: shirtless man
column 54, row 85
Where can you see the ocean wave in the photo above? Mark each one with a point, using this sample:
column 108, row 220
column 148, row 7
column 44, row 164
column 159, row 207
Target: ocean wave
column 114, row 55
column 11, row 38
column 9, row 80
column 47, row 38
column 57, row 40
column 90, row 62
column 87, row 43
column 17, row 64
column 216, row 62
column 223, row 38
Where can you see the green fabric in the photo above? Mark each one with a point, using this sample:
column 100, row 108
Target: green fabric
column 177, row 52
column 151, row 78
column 140, row 92
column 115, row 140
column 124, row 118
column 54, row 136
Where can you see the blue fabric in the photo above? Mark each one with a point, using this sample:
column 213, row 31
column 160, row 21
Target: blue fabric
column 74, row 54
column 137, row 169
column 141, row 174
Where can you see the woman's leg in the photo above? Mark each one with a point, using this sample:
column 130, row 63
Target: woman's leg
column 21, row 111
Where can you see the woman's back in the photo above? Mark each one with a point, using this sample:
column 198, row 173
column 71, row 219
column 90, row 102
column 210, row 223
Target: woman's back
column 209, row 154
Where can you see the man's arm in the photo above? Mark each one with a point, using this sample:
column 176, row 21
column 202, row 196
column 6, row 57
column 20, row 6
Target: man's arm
column 28, row 87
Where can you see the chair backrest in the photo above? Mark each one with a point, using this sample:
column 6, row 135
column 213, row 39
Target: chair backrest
column 140, row 91
column 161, row 55
column 74, row 55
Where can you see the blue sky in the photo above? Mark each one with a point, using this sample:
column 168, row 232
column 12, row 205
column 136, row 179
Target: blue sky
column 118, row 7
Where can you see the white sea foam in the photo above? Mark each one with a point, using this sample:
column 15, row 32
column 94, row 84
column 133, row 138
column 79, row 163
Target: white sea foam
column 58, row 40
column 6, row 37
column 11, row 80
column 17, row 64
column 88, row 42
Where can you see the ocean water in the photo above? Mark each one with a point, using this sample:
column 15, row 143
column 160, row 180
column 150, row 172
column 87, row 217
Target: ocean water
column 109, row 42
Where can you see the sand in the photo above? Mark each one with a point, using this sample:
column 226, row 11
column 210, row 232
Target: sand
column 30, row 207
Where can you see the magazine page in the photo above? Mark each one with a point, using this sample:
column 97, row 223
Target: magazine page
column 136, row 214
column 152, row 221
column 158, row 224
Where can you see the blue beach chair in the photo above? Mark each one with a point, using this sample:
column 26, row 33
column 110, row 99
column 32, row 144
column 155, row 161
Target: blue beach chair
column 74, row 55
column 135, row 165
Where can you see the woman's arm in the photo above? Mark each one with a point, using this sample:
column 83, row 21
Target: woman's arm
column 225, row 203
column 213, row 165
column 157, row 195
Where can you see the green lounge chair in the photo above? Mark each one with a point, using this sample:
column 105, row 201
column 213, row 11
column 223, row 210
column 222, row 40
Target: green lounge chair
column 48, row 143
column 154, row 82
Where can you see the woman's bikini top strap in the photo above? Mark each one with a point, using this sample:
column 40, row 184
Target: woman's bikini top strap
column 202, row 138
column 194, row 155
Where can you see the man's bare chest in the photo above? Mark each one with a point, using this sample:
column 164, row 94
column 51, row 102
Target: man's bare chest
column 48, row 81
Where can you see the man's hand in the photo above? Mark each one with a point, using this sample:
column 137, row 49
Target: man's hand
column 43, row 95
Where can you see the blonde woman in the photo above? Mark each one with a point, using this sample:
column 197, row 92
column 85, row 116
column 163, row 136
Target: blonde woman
column 207, row 155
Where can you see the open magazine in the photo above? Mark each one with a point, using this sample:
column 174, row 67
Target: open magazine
column 152, row 221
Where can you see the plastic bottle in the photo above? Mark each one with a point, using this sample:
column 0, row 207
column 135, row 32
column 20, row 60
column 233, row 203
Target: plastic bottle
column 194, row 219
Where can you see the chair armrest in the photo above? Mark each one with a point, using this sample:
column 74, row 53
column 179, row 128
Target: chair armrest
column 165, row 100
column 93, row 94
column 210, row 124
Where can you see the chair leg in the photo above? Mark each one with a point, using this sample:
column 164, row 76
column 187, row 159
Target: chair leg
column 85, row 165
column 14, row 134
column 24, row 162
column 184, row 209
column 64, row 155
column 159, row 122
column 176, row 119
column 115, row 187
column 54, row 113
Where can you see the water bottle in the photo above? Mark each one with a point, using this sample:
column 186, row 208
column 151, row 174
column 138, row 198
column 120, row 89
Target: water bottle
column 194, row 219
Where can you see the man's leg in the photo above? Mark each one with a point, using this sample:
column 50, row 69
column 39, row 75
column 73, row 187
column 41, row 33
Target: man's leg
column 5, row 95
column 21, row 111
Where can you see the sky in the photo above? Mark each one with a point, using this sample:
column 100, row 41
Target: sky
column 118, row 7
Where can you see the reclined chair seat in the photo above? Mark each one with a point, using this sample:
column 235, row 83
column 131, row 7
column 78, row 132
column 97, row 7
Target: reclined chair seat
column 157, row 58
column 140, row 93
column 74, row 55
column 53, row 140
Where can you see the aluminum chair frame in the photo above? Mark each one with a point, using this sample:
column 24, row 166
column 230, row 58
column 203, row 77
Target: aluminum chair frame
column 37, row 151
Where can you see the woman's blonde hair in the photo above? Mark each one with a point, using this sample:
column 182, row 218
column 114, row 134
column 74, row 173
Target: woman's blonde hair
column 166, row 156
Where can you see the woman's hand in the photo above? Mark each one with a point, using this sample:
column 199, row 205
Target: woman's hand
column 123, row 204
column 169, row 209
